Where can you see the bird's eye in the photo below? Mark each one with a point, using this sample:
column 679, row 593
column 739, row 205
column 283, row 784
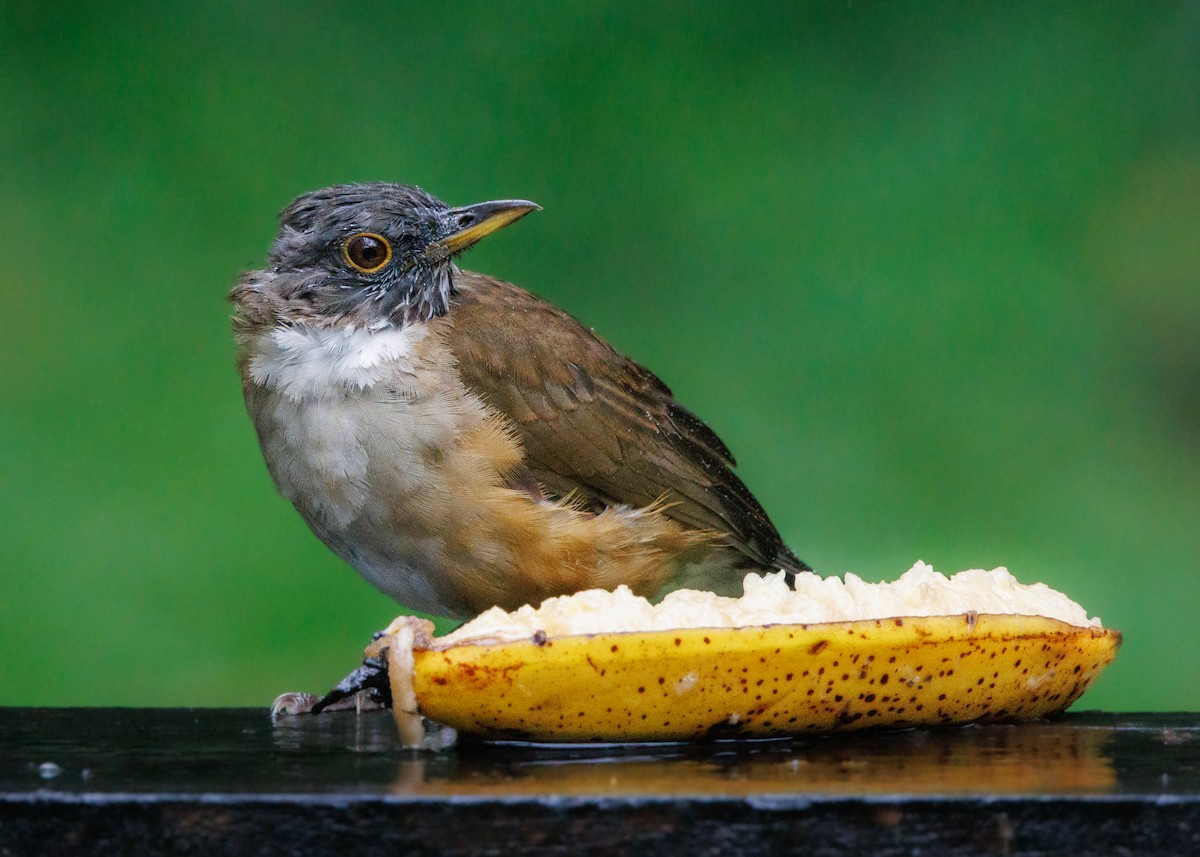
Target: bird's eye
column 367, row 252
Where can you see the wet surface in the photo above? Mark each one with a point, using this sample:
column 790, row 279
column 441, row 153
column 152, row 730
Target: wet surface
column 231, row 782
column 138, row 754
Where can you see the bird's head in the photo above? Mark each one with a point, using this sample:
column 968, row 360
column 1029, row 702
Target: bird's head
column 372, row 255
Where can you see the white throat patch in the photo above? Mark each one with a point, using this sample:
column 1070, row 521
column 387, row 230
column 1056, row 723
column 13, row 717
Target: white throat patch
column 303, row 361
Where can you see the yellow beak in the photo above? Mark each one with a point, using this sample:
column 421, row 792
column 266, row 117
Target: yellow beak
column 472, row 222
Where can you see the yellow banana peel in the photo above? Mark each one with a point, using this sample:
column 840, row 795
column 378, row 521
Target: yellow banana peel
column 749, row 682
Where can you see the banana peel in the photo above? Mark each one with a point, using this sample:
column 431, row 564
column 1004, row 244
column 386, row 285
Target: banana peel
column 748, row 682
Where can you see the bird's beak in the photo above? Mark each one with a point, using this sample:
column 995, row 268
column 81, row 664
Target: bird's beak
column 466, row 225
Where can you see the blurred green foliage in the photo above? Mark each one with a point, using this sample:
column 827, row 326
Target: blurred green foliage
column 932, row 271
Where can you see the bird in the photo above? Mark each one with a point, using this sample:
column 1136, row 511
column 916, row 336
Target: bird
column 462, row 443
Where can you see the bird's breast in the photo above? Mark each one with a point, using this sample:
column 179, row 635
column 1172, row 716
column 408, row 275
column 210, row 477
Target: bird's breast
column 352, row 423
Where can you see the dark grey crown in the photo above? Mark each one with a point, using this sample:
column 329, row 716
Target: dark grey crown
column 310, row 267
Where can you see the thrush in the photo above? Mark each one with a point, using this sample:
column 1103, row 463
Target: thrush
column 462, row 443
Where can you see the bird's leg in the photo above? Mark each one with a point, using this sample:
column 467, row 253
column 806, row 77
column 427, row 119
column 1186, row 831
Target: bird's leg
column 366, row 688
column 369, row 682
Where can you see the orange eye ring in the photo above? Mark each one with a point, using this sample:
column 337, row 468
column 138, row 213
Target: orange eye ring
column 368, row 252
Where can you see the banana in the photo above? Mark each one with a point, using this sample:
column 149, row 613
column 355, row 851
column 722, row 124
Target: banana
column 755, row 682
column 497, row 679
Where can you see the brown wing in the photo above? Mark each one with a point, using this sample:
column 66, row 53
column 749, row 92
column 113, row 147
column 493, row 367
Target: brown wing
column 596, row 423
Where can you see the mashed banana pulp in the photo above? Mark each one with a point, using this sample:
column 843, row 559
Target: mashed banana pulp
column 767, row 600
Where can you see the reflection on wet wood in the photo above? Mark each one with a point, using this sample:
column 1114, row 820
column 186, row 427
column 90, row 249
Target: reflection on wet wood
column 230, row 781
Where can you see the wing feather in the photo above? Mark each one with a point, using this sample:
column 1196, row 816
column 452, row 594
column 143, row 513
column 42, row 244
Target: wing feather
column 596, row 424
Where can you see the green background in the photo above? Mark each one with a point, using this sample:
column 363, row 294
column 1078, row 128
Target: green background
column 932, row 271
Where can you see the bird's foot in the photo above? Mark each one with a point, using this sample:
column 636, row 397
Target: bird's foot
column 386, row 669
column 365, row 689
